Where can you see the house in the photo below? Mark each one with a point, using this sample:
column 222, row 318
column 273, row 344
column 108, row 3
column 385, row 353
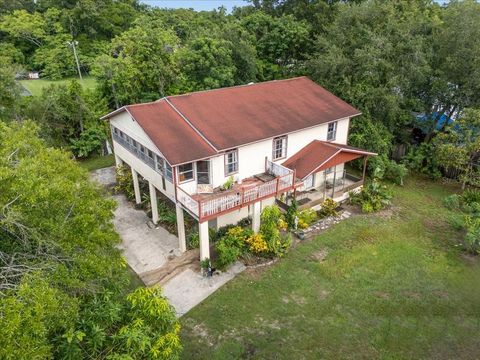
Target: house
column 269, row 141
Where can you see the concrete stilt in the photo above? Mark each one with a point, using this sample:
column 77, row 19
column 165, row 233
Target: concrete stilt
column 136, row 187
column 204, row 240
column 256, row 216
column 153, row 202
column 182, row 243
column 118, row 161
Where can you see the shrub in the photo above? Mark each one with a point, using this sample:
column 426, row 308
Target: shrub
column 269, row 229
column 308, row 216
column 328, row 208
column 231, row 246
column 452, row 202
column 424, row 159
column 395, row 172
column 89, row 142
column 257, row 244
column 193, row 240
column 282, row 224
column 292, row 213
column 125, row 182
column 472, row 238
column 373, row 197
column 471, row 196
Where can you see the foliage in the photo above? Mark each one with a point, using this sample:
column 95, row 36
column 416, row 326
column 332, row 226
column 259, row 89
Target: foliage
column 269, row 220
column 472, row 237
column 89, row 142
column 328, row 208
column 231, row 246
column 257, row 244
column 291, row 214
column 384, row 168
column 458, row 147
column 63, row 281
column 423, row 159
column 124, row 181
column 308, row 216
column 228, row 184
column 193, row 240
column 9, row 90
column 452, row 202
column 373, row 197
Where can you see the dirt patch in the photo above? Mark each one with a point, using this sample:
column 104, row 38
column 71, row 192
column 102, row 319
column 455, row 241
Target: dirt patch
column 200, row 330
column 413, row 295
column 382, row 295
column 319, row 255
column 441, row 294
column 323, row 294
column 470, row 259
column 299, row 300
column 255, row 273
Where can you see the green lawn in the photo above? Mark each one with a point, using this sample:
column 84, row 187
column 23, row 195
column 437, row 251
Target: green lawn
column 392, row 286
column 36, row 86
column 98, row 162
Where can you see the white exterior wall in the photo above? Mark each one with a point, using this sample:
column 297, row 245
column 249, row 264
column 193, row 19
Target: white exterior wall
column 125, row 123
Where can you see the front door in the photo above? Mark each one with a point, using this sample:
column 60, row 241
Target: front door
column 309, row 181
column 203, row 172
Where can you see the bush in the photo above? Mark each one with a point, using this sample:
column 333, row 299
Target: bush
column 125, row 182
column 395, row 172
column 472, row 238
column 452, row 202
column 193, row 240
column 471, row 196
column 291, row 214
column 328, row 208
column 90, row 142
column 257, row 244
column 373, row 197
column 231, row 246
column 424, row 159
column 269, row 229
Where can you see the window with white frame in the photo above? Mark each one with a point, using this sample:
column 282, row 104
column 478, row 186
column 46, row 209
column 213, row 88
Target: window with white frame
column 279, row 148
column 185, row 172
column 160, row 165
column 332, row 131
column 231, row 162
column 168, row 172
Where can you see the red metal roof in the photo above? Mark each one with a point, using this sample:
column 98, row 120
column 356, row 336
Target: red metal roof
column 320, row 155
column 177, row 141
column 235, row 116
column 197, row 125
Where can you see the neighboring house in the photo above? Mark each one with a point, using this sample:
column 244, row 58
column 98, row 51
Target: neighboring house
column 273, row 139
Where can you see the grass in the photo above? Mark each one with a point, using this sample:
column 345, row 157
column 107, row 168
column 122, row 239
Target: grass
column 98, row 162
column 392, row 286
column 36, row 86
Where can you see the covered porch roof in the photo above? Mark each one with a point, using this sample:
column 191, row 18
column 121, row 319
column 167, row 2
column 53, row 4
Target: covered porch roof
column 320, row 155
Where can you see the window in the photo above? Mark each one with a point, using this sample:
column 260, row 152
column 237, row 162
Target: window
column 185, row 172
column 160, row 166
column 150, row 154
column 329, row 170
column 279, row 148
column 203, row 172
column 231, row 162
column 332, row 131
column 168, row 172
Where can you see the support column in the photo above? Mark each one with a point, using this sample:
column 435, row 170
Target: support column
column 136, row 187
column 365, row 160
column 153, row 202
column 118, row 161
column 182, row 243
column 257, row 208
column 204, row 241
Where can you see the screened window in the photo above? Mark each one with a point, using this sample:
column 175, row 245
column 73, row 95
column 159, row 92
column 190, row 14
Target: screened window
column 185, row 172
column 160, row 164
column 279, row 148
column 329, row 170
column 203, row 172
column 332, row 131
column 168, row 172
column 231, row 162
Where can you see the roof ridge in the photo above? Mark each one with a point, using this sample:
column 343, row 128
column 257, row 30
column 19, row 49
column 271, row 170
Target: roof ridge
column 190, row 124
column 237, row 86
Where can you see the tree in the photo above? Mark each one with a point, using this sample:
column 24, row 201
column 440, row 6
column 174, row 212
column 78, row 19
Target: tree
column 140, row 66
column 63, row 283
column 206, row 63
column 459, row 147
column 9, row 90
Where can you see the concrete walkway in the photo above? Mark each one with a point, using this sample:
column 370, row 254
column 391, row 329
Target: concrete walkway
column 152, row 252
column 189, row 288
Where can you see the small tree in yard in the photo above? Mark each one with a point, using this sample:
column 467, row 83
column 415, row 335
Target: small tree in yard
column 458, row 147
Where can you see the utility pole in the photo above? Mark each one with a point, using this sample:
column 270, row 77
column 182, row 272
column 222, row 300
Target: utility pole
column 73, row 44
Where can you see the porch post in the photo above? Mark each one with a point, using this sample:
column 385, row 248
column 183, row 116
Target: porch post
column 136, row 187
column 204, row 240
column 182, row 243
column 334, row 180
column 118, row 161
column 365, row 159
column 256, row 217
column 153, row 202
column 324, row 184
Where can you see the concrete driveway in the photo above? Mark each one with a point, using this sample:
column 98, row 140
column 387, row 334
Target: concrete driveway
column 145, row 246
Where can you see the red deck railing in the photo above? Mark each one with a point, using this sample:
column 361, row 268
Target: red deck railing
column 205, row 209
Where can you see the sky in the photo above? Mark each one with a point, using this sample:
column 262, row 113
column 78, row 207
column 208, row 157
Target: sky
column 196, row 4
